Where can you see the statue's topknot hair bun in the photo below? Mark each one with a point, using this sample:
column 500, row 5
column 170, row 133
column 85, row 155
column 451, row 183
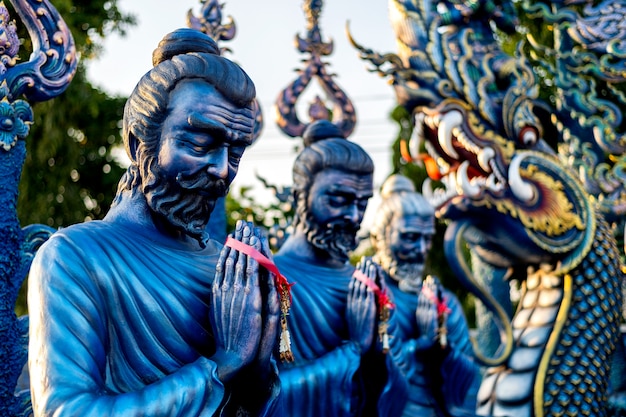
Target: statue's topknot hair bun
column 320, row 130
column 396, row 184
column 182, row 41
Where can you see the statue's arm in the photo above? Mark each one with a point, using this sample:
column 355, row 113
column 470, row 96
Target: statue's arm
column 310, row 387
column 67, row 351
column 460, row 373
column 382, row 377
column 395, row 392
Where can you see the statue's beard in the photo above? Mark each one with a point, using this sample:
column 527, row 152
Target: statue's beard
column 408, row 275
column 337, row 238
column 185, row 203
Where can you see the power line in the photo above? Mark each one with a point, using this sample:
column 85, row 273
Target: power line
column 368, row 124
column 357, row 102
column 270, row 124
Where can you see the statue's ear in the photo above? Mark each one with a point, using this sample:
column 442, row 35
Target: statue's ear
column 132, row 146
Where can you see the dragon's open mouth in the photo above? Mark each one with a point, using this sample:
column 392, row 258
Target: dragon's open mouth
column 454, row 156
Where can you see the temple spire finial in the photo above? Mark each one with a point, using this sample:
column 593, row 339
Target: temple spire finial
column 210, row 22
column 342, row 114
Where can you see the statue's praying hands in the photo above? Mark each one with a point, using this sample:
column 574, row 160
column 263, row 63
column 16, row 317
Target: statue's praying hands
column 245, row 308
column 361, row 307
column 426, row 313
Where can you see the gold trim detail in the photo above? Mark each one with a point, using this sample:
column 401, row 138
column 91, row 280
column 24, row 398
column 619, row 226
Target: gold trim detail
column 561, row 318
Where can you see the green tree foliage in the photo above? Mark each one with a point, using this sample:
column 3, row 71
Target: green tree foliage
column 70, row 174
column 90, row 21
column 275, row 216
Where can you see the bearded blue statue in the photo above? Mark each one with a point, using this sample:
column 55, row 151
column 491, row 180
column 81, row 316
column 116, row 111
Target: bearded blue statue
column 143, row 313
column 339, row 368
column 431, row 343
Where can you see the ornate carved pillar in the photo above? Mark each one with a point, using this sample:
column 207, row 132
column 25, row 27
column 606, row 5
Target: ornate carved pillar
column 45, row 75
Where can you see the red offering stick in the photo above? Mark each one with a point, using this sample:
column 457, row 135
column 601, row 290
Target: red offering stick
column 384, row 307
column 284, row 291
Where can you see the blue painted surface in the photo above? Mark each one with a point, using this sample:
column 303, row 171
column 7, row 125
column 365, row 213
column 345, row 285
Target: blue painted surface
column 12, row 352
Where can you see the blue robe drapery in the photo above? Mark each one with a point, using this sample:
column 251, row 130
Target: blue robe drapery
column 329, row 377
column 440, row 384
column 120, row 327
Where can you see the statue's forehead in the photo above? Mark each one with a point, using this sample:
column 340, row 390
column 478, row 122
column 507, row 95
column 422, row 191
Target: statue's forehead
column 196, row 100
column 197, row 93
column 414, row 223
column 340, row 181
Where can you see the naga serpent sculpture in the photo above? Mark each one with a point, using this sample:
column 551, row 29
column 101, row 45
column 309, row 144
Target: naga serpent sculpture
column 482, row 131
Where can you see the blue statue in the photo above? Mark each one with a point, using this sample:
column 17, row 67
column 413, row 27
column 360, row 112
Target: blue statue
column 431, row 338
column 143, row 313
column 339, row 368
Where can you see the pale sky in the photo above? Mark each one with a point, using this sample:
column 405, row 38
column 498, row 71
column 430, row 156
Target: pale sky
column 264, row 47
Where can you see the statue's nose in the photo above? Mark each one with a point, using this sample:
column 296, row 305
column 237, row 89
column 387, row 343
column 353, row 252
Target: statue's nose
column 353, row 214
column 218, row 163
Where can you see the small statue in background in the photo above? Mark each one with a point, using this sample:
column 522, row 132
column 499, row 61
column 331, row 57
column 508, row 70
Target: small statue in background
column 430, row 341
column 143, row 313
column 339, row 369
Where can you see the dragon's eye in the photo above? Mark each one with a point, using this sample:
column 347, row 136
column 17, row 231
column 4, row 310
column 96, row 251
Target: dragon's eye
column 528, row 136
